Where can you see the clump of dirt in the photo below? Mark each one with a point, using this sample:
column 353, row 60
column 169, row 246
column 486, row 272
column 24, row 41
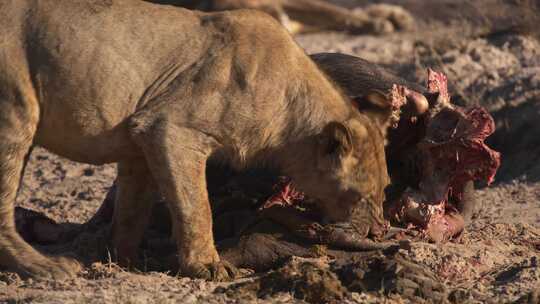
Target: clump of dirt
column 308, row 280
column 393, row 275
column 323, row 281
column 530, row 298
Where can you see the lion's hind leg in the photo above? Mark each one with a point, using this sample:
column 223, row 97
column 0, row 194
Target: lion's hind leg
column 134, row 197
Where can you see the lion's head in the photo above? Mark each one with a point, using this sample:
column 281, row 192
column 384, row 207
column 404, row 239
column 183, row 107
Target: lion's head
column 348, row 174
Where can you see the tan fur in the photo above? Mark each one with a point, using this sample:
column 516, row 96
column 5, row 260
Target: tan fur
column 312, row 15
column 160, row 90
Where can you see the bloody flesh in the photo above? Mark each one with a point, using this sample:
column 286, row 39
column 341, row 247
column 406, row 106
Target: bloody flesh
column 451, row 153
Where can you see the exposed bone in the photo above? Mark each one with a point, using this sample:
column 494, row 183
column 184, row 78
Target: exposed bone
column 416, row 102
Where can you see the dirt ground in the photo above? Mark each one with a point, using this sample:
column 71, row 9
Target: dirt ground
column 496, row 260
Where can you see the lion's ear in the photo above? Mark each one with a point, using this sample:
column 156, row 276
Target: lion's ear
column 336, row 139
column 377, row 106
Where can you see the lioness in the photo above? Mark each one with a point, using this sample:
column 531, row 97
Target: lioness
column 310, row 15
column 159, row 90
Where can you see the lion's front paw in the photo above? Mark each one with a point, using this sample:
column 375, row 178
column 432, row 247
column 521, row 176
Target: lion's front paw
column 218, row 271
column 399, row 17
column 56, row 268
column 380, row 26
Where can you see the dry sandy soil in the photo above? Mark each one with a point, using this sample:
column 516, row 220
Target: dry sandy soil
column 496, row 261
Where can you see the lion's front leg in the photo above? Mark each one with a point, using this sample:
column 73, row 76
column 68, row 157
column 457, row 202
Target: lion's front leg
column 177, row 158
